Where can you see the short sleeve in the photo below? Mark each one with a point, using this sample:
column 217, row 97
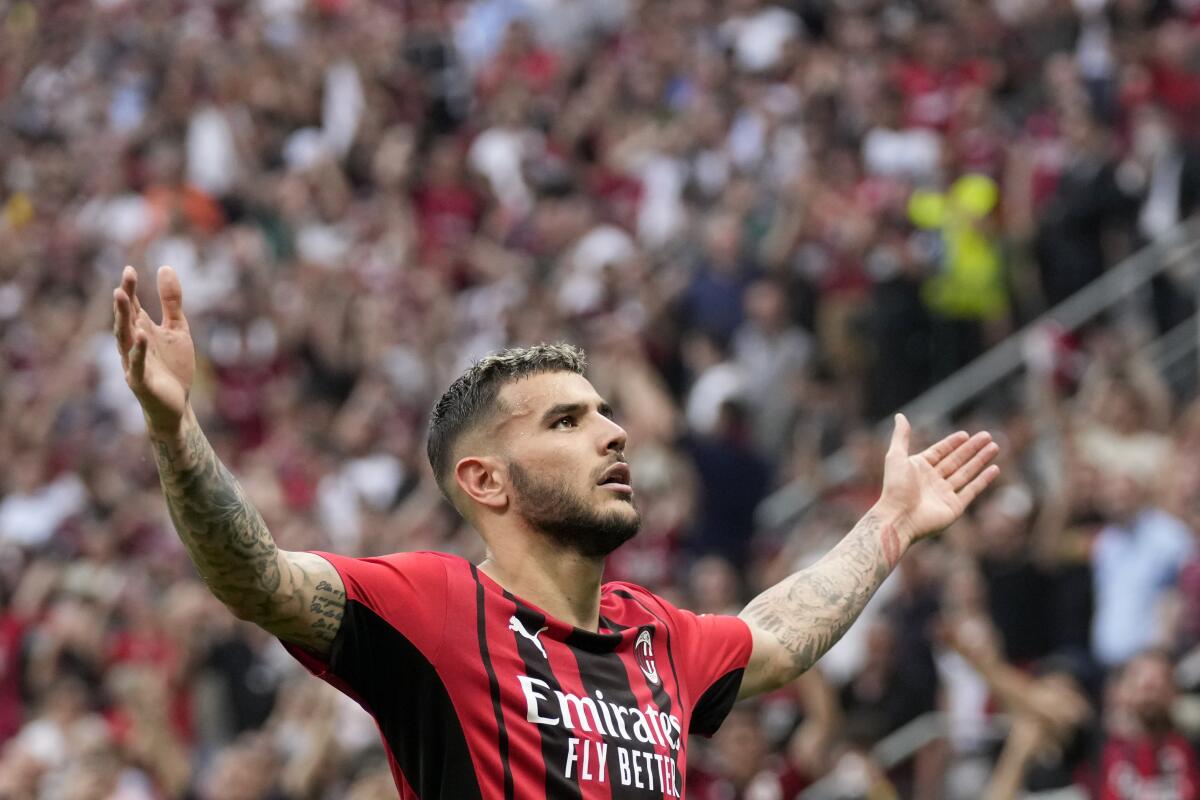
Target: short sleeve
column 711, row 654
column 716, row 650
column 393, row 601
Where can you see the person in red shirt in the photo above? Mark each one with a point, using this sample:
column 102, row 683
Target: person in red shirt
column 526, row 675
column 1174, row 79
column 522, row 60
column 742, row 766
column 933, row 79
column 1144, row 756
column 12, row 632
column 448, row 207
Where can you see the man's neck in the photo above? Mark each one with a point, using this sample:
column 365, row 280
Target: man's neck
column 1129, row 520
column 565, row 585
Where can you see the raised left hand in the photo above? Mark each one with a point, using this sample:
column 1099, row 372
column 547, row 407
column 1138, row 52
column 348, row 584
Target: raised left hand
column 931, row 489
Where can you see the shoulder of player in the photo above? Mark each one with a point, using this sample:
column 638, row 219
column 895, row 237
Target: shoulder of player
column 630, row 594
column 398, row 560
column 621, row 588
column 417, row 568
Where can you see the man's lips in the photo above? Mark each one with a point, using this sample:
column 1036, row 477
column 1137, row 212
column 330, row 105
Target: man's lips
column 618, row 478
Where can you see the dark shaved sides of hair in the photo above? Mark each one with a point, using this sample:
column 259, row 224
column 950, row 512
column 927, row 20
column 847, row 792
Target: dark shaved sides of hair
column 474, row 396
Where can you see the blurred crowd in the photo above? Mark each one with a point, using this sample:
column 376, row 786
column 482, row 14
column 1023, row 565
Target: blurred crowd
column 769, row 223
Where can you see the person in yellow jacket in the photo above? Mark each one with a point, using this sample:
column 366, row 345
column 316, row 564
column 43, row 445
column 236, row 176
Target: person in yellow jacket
column 969, row 286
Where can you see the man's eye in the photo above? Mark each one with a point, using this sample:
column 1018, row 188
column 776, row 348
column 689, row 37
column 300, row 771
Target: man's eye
column 569, row 420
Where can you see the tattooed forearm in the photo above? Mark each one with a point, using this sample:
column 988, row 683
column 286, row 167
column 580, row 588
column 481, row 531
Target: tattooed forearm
column 233, row 551
column 810, row 610
column 224, row 534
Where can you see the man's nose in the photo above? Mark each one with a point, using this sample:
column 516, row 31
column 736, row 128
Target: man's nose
column 615, row 438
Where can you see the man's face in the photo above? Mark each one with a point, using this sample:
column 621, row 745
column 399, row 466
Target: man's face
column 1150, row 689
column 1122, row 496
column 565, row 459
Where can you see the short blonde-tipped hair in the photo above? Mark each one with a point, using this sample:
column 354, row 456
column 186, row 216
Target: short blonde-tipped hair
column 473, row 398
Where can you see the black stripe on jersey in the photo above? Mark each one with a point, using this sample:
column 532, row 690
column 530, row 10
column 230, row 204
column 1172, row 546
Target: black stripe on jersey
column 493, row 683
column 657, row 691
column 597, row 642
column 666, row 632
column 656, row 688
column 554, row 737
column 661, row 698
column 408, row 699
column 605, row 673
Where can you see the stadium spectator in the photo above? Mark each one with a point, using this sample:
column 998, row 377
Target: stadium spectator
column 1143, row 753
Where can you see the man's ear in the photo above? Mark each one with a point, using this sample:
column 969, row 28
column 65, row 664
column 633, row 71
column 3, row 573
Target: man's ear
column 483, row 480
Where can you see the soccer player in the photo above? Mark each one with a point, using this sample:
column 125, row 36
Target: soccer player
column 524, row 676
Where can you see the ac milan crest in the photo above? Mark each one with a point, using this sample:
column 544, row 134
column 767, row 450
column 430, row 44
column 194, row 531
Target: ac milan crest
column 644, row 653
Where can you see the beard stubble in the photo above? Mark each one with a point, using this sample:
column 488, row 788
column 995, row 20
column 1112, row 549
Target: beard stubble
column 566, row 518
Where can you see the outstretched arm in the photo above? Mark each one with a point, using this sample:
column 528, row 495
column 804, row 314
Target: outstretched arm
column 296, row 596
column 798, row 619
column 1023, row 743
column 1058, row 707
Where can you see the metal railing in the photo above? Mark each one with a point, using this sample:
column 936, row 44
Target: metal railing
column 1177, row 250
column 1176, row 354
column 903, row 743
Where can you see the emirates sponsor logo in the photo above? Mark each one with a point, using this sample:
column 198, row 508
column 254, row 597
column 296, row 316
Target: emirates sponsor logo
column 546, row 706
column 643, row 652
column 610, row 742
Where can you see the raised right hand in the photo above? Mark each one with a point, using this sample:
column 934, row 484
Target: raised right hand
column 159, row 359
column 931, row 489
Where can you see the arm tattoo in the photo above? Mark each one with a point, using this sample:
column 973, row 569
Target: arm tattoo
column 233, row 551
column 810, row 610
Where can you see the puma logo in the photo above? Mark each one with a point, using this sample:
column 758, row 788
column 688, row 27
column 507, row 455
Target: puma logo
column 514, row 624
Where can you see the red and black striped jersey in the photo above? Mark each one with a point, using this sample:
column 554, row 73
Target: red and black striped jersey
column 479, row 694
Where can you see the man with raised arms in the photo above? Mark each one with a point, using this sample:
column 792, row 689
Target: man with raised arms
column 524, row 676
